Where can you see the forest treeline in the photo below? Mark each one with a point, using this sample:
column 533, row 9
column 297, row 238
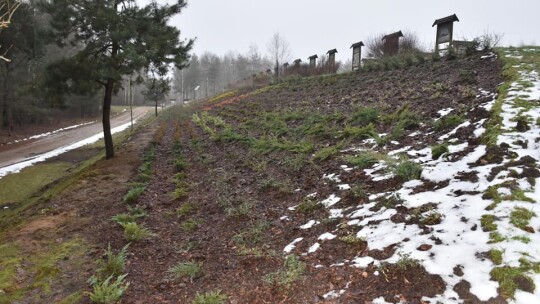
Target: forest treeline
column 28, row 50
column 24, row 97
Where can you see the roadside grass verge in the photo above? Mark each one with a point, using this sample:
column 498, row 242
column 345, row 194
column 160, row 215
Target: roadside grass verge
column 40, row 269
column 18, row 187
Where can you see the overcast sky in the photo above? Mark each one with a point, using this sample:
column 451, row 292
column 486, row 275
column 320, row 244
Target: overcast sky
column 315, row 26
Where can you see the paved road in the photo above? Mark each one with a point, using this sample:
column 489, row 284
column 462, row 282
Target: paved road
column 16, row 153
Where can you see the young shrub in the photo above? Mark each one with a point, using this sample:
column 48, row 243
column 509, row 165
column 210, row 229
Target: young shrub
column 405, row 261
column 212, row 297
column 243, row 209
column 438, row 150
column 186, row 209
column 448, row 122
column 359, row 192
column 309, row 206
column 364, row 116
column 109, row 291
column 180, row 164
column 133, row 232
column 132, row 216
column 190, row 270
column 133, row 194
column 180, row 193
column 112, row 266
column 407, row 170
column 352, row 239
column 363, row 160
column 326, row 153
column 368, row 131
column 123, row 218
column 189, row 225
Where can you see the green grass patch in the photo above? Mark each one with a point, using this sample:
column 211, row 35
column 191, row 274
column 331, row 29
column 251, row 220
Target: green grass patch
column 496, row 256
column 510, row 279
column 42, row 268
column 293, row 269
column 17, row 187
column 487, row 221
column 253, row 235
column 495, row 237
column 438, row 150
column 521, row 217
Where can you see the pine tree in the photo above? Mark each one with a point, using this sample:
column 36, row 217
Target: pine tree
column 113, row 38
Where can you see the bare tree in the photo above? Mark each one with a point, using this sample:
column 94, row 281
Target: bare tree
column 489, row 40
column 409, row 43
column 7, row 9
column 375, row 46
column 279, row 50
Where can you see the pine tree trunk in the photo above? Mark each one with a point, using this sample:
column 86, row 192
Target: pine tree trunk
column 109, row 147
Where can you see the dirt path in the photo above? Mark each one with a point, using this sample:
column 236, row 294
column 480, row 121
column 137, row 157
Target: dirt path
column 15, row 153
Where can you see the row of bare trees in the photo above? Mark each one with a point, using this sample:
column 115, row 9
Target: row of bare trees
column 211, row 73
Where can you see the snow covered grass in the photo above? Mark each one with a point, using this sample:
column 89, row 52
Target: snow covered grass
column 491, row 214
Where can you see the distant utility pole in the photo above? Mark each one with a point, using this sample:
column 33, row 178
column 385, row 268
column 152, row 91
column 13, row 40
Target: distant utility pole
column 206, row 87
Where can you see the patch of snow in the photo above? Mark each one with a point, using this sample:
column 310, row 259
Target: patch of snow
column 333, row 177
column 309, row 224
column 363, row 262
column 462, row 125
column 292, row 245
column 333, row 294
column 401, row 150
column 344, row 187
column 327, row 236
column 331, row 201
column 443, row 113
column 314, row 248
column 336, row 213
